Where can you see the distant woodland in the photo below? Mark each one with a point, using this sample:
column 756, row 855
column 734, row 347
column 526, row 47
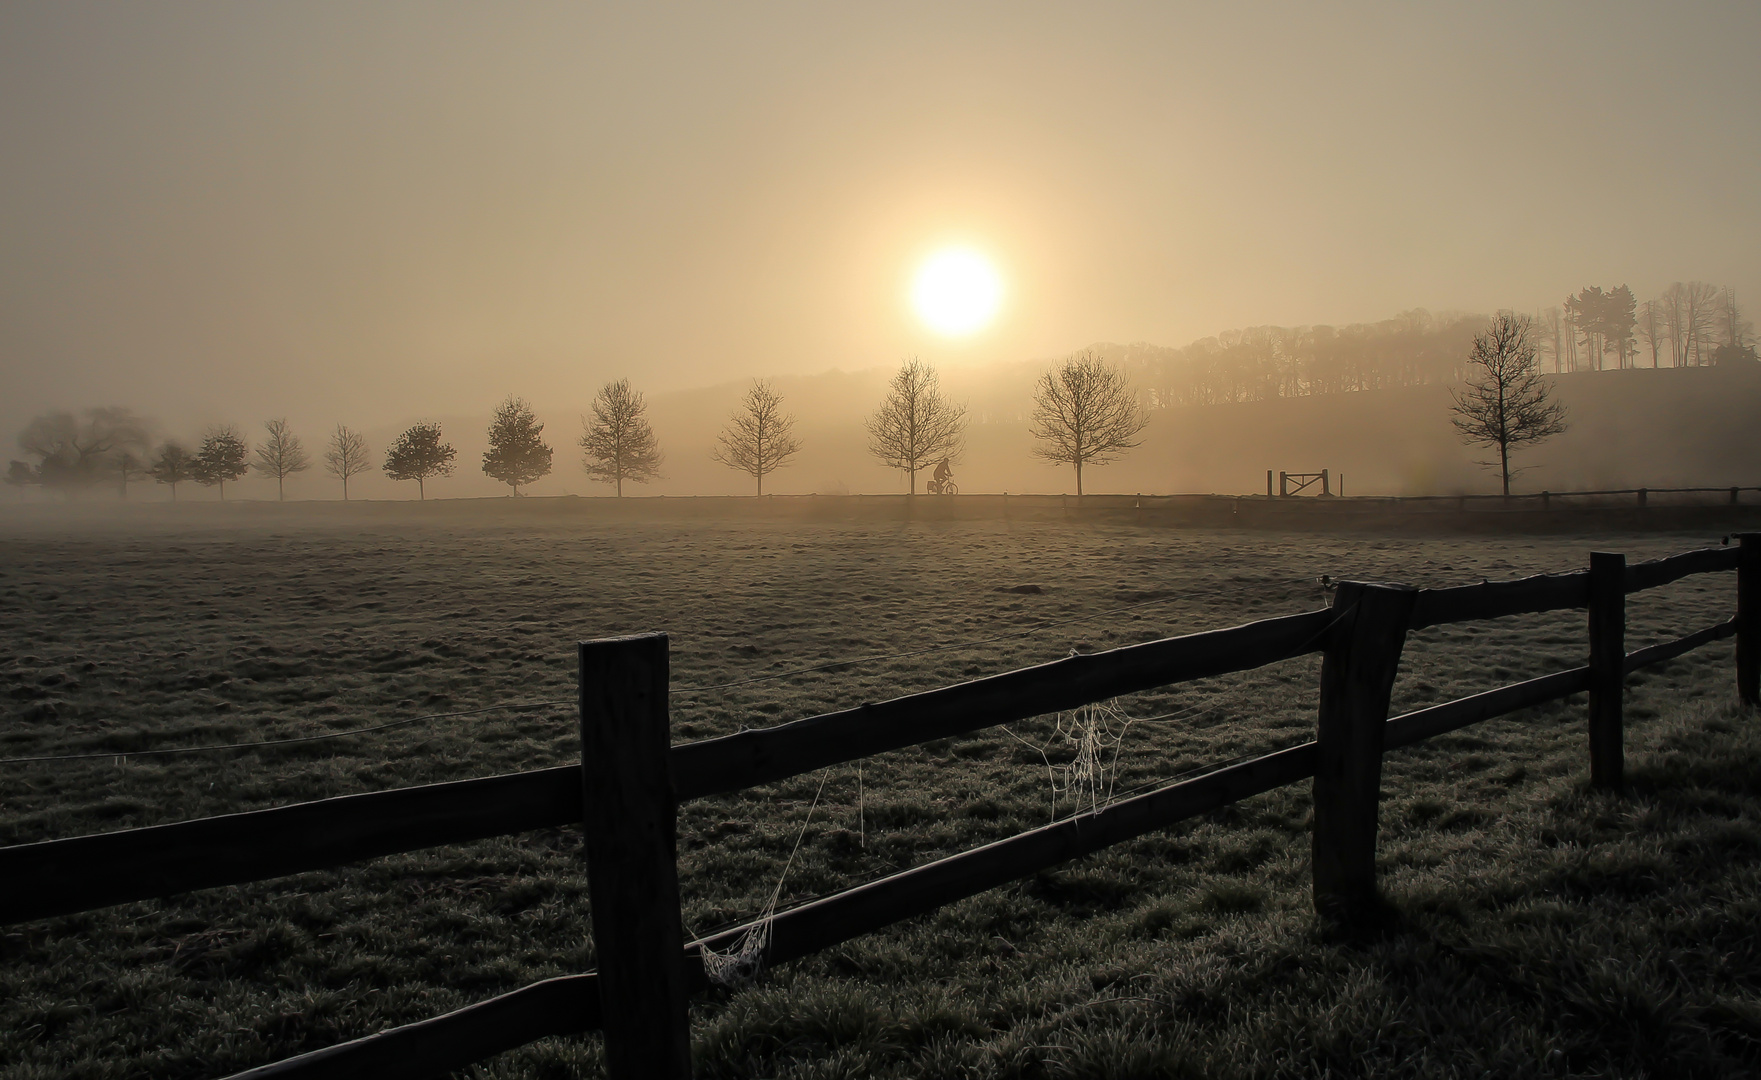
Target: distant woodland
column 1689, row 325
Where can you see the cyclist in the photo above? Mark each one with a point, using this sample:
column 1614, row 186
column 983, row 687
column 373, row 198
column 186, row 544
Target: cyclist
column 944, row 472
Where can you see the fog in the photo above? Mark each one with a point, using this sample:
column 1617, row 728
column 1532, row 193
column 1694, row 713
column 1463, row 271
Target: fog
column 373, row 215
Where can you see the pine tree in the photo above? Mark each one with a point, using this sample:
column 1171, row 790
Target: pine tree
column 516, row 454
column 222, row 457
column 418, row 454
column 173, row 466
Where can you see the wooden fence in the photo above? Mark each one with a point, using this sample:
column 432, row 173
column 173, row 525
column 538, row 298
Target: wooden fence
column 632, row 778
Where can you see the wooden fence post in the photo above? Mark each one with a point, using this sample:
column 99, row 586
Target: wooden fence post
column 1749, row 619
column 1607, row 667
column 629, row 809
column 1357, row 677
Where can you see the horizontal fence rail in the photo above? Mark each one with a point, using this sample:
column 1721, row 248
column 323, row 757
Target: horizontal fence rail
column 565, row 1005
column 764, row 755
column 86, row 872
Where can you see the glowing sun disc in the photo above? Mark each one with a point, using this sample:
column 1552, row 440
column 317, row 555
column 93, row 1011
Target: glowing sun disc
column 956, row 292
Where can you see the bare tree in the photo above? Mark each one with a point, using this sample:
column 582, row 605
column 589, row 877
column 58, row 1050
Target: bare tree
column 916, row 425
column 418, row 454
column 516, row 455
column 128, row 466
column 1691, row 315
column 346, row 457
column 1085, row 413
column 1506, row 403
column 223, row 457
column 618, row 444
column 1652, row 327
column 1700, row 305
column 79, row 451
column 173, row 465
column 281, row 455
column 1553, row 338
column 760, row 438
column 1738, row 332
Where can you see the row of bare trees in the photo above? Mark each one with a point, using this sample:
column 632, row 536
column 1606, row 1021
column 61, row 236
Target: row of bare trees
column 1085, row 413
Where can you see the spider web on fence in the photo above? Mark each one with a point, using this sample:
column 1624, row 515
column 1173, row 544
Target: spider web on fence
column 1094, row 736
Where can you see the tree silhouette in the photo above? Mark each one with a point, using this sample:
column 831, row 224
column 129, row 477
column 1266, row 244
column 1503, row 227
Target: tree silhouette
column 281, row 455
column 173, row 465
column 1737, row 330
column 1506, row 403
column 760, row 437
column 1085, row 413
column 516, row 454
column 915, row 424
column 347, row 456
column 418, row 454
column 128, row 466
column 21, row 475
column 1690, row 314
column 222, row 457
column 618, row 444
column 76, row 452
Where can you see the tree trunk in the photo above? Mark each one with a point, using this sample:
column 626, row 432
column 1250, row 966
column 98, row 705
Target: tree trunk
column 1504, row 466
column 421, row 495
column 1079, row 478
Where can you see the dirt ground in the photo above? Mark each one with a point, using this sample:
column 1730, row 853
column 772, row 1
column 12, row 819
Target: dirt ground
column 126, row 634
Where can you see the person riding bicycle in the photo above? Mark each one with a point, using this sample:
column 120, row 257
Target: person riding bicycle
column 944, row 472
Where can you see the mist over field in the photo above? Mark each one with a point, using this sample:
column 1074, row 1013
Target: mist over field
column 379, row 697
column 1628, row 428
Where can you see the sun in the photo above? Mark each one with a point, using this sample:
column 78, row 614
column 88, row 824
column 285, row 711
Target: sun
column 956, row 292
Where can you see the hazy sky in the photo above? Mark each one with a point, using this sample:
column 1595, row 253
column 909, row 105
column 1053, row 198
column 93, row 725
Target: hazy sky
column 375, row 212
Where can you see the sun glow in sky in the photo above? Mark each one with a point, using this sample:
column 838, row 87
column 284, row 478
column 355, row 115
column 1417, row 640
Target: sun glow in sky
column 956, row 292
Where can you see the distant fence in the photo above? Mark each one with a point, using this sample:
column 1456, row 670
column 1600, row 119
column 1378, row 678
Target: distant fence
column 632, row 778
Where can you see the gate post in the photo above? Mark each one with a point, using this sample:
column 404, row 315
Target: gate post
column 1607, row 667
column 1749, row 619
column 629, row 812
column 1357, row 678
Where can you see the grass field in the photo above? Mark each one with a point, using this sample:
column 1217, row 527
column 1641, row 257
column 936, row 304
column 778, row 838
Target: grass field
column 1546, row 930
